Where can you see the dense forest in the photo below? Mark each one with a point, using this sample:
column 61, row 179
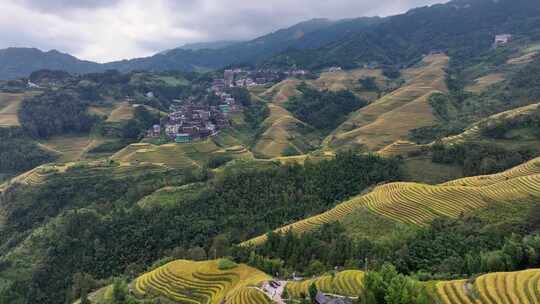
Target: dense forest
column 481, row 158
column 464, row 29
column 40, row 117
column 19, row 153
column 323, row 110
column 102, row 234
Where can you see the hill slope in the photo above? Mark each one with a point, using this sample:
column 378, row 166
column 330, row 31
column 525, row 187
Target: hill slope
column 392, row 117
column 417, row 204
column 283, row 132
column 509, row 287
column 199, row 282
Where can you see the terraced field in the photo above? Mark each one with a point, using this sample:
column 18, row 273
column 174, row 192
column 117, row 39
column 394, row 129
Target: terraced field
column 483, row 83
column 390, row 118
column 521, row 287
column 348, row 80
column 9, row 105
column 474, row 131
column 282, row 131
column 248, row 295
column 418, row 204
column 122, row 112
column 400, row 148
column 201, row 282
column 281, row 92
column 346, row 283
column 71, row 148
column 190, row 155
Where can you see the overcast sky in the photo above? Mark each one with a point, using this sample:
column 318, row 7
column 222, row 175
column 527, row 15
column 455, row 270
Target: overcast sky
column 106, row 30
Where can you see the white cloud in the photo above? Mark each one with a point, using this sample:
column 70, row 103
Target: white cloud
column 112, row 30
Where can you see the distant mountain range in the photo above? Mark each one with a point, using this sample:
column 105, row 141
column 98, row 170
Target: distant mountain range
column 460, row 27
column 213, row 45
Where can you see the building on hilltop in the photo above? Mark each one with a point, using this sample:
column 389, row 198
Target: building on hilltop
column 229, row 78
column 502, row 39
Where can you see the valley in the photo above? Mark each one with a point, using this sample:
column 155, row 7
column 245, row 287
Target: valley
column 385, row 160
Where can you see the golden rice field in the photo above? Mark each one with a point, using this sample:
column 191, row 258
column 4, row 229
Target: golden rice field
column 201, row 282
column 248, row 295
column 391, row 117
column 282, row 131
column 483, row 83
column 522, row 287
column 345, row 283
column 418, row 204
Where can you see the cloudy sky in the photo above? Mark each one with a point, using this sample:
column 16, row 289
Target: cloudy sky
column 106, row 30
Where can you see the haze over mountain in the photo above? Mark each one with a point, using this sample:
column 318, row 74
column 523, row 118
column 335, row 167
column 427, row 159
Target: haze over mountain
column 320, row 43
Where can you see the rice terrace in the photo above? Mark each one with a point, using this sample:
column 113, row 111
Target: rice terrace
column 248, row 152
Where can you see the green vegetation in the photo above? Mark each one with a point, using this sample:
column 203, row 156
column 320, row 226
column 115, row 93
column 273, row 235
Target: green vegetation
column 40, row 117
column 481, row 158
column 323, row 110
column 502, row 237
column 102, row 232
column 19, row 153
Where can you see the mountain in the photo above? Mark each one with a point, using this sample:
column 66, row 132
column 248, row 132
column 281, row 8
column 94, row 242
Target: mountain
column 314, row 33
column 463, row 28
column 20, row 62
column 214, row 45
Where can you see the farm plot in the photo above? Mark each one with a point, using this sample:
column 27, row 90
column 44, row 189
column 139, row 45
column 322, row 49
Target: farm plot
column 521, row 287
column 9, row 106
column 347, row 283
column 122, row 112
column 200, row 282
column 418, row 204
column 391, row 117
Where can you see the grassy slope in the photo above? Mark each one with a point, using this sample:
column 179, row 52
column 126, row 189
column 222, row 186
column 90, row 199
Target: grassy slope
column 392, row 117
column 417, row 204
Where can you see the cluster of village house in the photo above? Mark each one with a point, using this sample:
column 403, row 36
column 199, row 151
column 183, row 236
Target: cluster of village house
column 248, row 78
column 189, row 121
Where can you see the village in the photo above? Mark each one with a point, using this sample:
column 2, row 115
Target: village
column 189, row 120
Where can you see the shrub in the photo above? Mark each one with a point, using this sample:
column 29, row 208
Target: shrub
column 226, row 264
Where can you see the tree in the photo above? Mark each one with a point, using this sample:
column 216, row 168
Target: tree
column 369, row 84
column 313, row 292
column 197, row 254
column 219, row 247
column 119, row 291
column 401, row 290
column 82, row 283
